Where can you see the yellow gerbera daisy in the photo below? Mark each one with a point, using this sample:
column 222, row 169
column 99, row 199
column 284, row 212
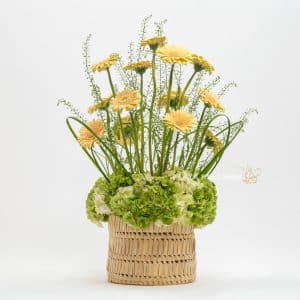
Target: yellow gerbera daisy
column 210, row 99
column 103, row 104
column 127, row 99
column 154, row 42
column 201, row 64
column 180, row 120
column 174, row 54
column 106, row 63
column 86, row 138
column 212, row 141
column 174, row 98
column 140, row 67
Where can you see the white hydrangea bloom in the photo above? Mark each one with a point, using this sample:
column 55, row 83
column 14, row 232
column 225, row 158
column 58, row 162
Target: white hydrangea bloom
column 100, row 205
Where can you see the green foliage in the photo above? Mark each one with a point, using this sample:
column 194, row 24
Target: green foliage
column 173, row 197
column 146, row 202
column 117, row 181
column 203, row 211
column 91, row 212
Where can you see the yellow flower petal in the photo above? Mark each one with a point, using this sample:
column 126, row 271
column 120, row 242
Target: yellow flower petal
column 154, row 42
column 86, row 138
column 174, row 54
column 210, row 99
column 139, row 67
column 106, row 63
column 180, row 120
column 127, row 99
column 201, row 64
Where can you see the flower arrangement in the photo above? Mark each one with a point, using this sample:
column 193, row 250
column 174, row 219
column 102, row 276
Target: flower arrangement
column 156, row 137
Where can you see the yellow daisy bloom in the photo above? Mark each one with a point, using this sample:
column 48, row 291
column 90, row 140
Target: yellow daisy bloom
column 173, row 54
column 86, row 138
column 154, row 42
column 128, row 131
column 180, row 120
column 140, row 67
column 106, row 63
column 127, row 99
column 174, row 98
column 210, row 99
column 201, row 64
column 101, row 105
column 212, row 141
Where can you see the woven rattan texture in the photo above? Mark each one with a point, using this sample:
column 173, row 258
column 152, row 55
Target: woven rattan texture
column 157, row 255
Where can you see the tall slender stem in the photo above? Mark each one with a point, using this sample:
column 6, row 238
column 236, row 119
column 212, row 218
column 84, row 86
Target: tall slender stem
column 109, row 131
column 195, row 138
column 169, row 142
column 135, row 142
column 175, row 150
column 164, row 139
column 142, row 124
column 185, row 88
column 151, row 114
column 125, row 143
column 121, row 124
column 198, row 156
column 111, row 82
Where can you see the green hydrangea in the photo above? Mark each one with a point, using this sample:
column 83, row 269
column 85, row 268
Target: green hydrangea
column 203, row 211
column 174, row 197
column 146, row 202
column 96, row 198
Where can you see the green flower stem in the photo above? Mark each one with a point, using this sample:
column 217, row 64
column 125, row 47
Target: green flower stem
column 111, row 83
column 151, row 114
column 107, row 112
column 101, row 142
column 129, row 158
column 175, row 150
column 164, row 139
column 223, row 149
column 98, row 165
column 195, row 139
column 181, row 159
column 169, row 141
column 142, row 125
column 185, row 88
column 110, row 161
column 100, row 161
column 87, row 153
column 198, row 156
column 170, row 88
column 135, row 141
column 184, row 138
column 109, row 131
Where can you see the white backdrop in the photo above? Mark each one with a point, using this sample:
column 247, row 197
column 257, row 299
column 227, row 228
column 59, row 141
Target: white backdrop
column 47, row 247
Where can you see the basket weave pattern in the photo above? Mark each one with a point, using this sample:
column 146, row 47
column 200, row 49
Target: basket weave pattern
column 156, row 255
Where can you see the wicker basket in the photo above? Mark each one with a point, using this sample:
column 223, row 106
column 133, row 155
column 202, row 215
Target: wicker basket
column 152, row 256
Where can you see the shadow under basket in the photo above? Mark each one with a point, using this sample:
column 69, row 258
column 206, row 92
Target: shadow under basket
column 156, row 255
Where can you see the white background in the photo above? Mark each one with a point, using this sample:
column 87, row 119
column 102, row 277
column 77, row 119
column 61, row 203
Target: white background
column 48, row 250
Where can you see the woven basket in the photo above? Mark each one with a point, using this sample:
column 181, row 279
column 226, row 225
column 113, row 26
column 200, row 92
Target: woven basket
column 152, row 256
